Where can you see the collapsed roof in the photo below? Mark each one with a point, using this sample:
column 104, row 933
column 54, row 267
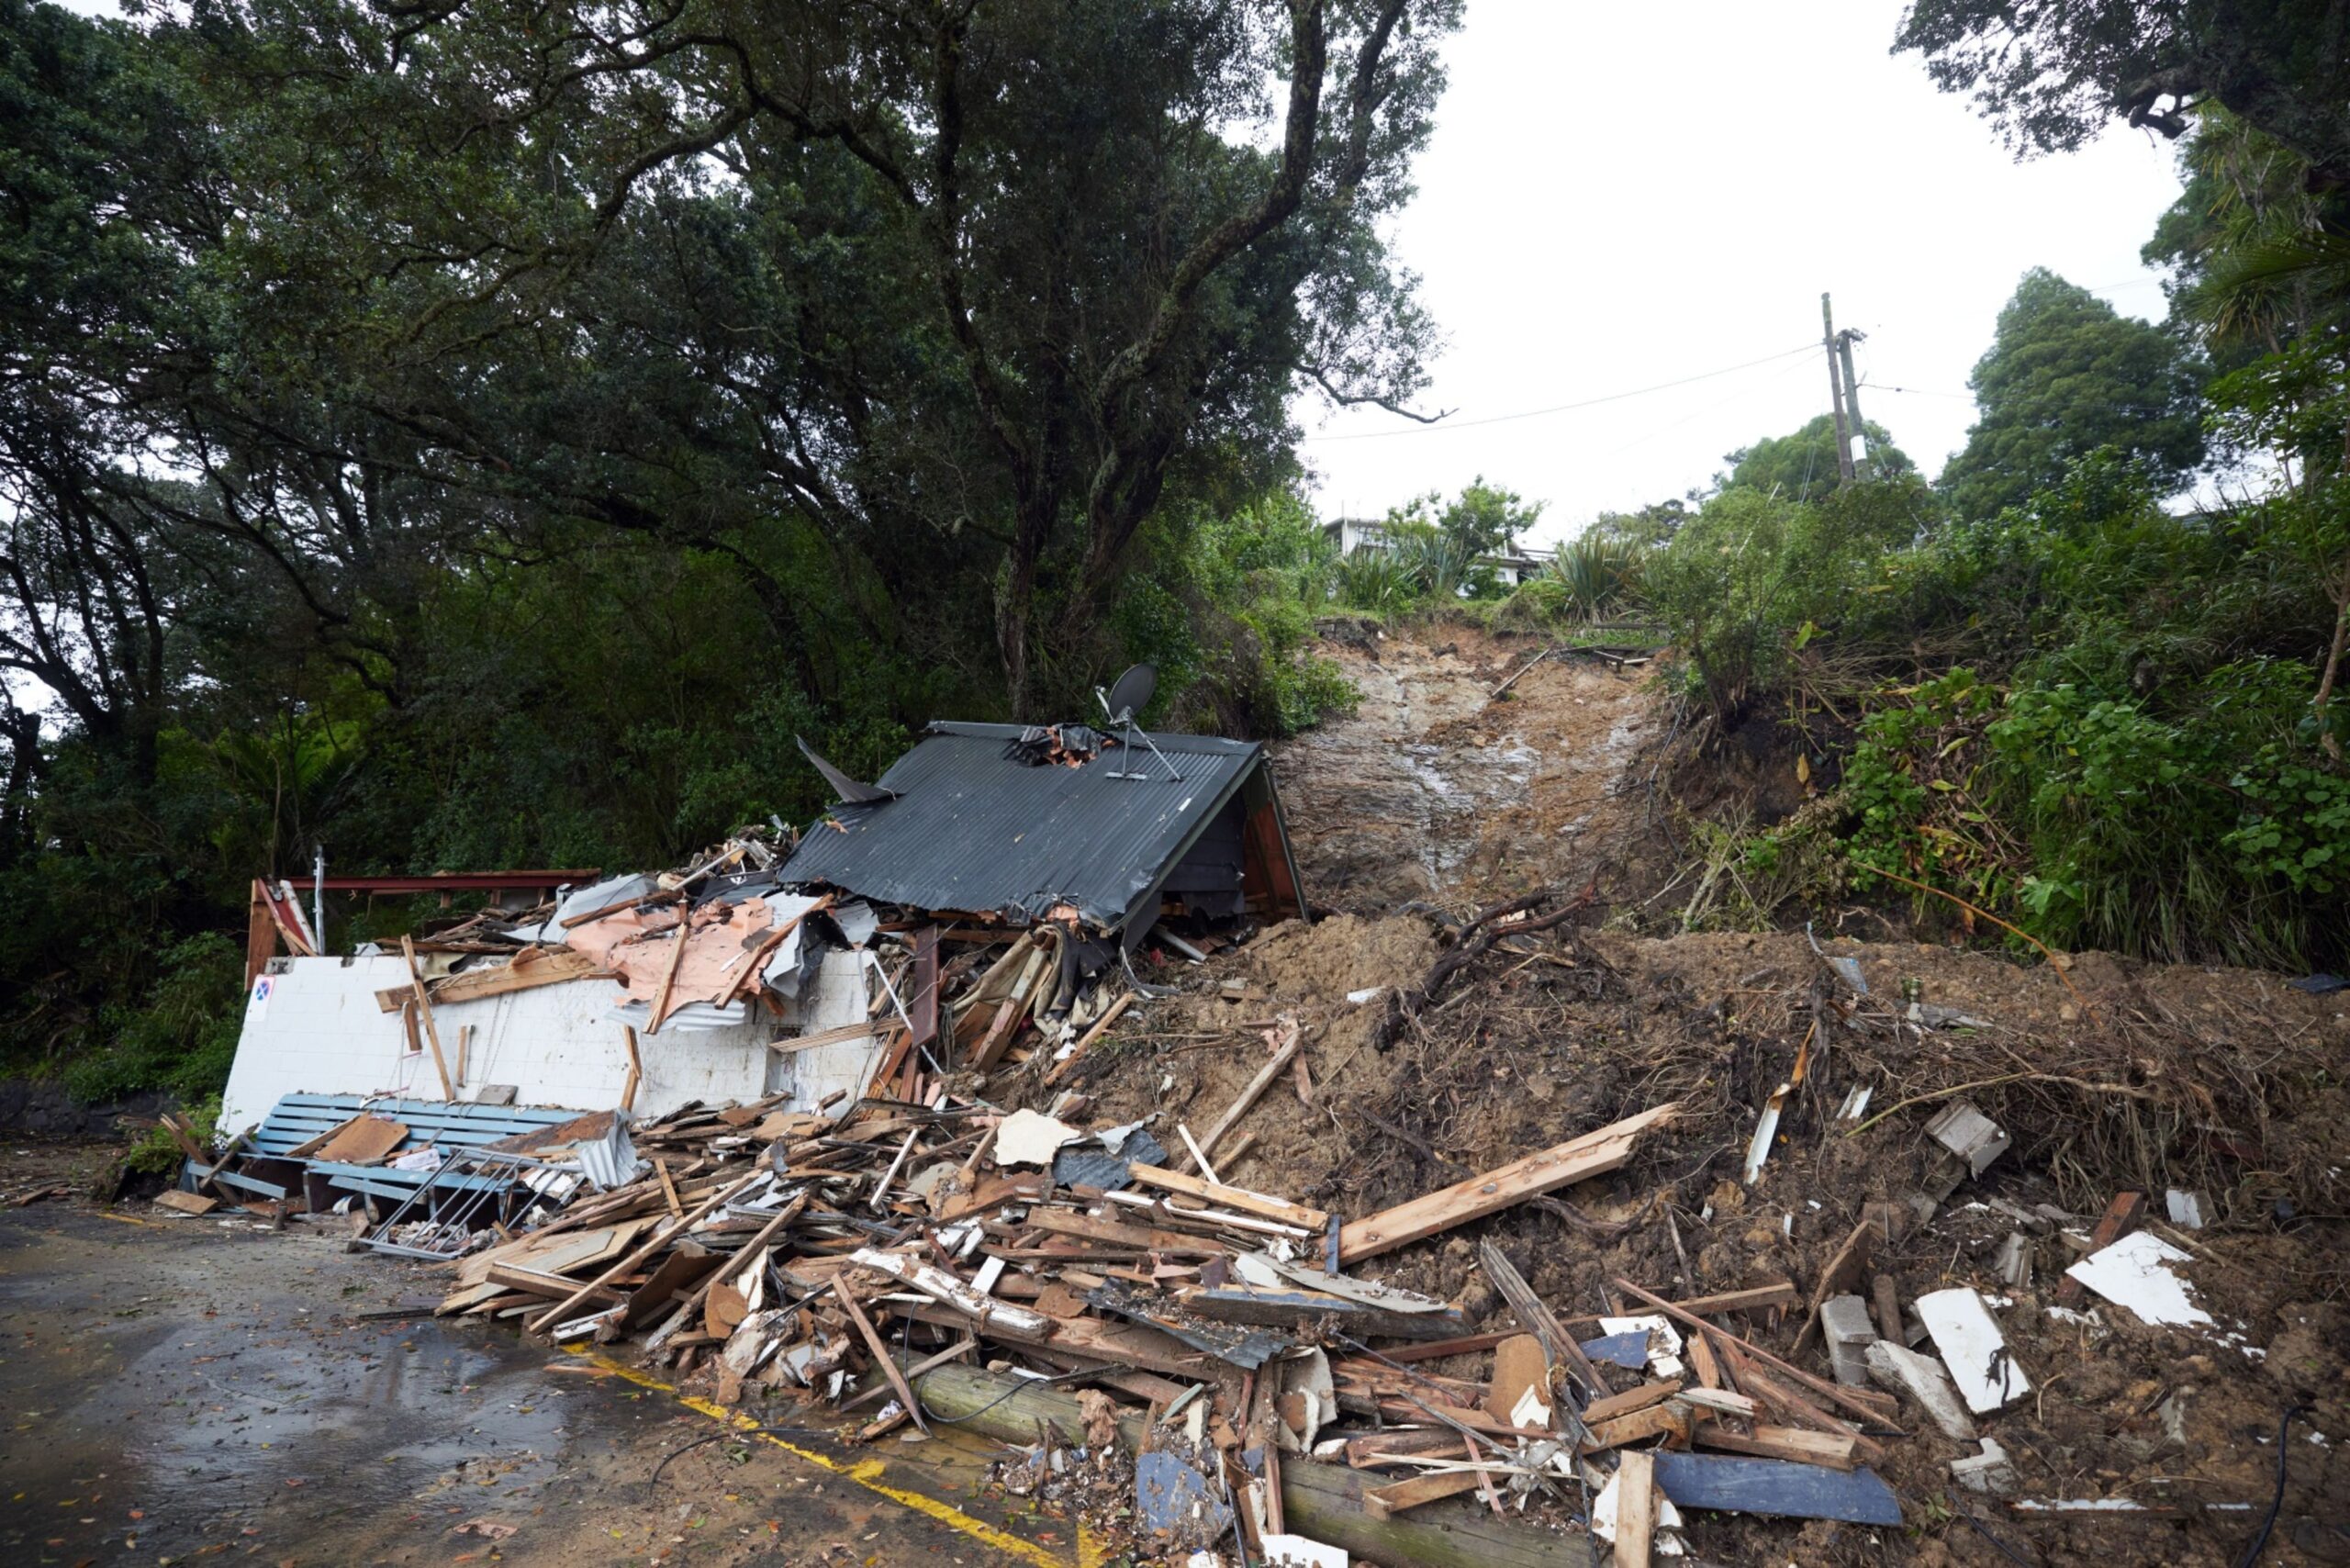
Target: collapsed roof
column 1014, row 822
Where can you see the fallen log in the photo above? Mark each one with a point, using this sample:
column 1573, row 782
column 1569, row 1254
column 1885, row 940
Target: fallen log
column 1322, row 1502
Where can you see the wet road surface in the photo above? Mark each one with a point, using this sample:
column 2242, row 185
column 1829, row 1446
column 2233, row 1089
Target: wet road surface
column 186, row 1390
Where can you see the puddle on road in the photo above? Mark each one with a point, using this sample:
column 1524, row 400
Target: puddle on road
column 221, row 1404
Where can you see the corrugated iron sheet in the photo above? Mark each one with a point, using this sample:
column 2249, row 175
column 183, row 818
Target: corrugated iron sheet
column 973, row 829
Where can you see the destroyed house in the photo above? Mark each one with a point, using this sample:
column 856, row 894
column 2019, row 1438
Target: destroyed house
column 1002, row 822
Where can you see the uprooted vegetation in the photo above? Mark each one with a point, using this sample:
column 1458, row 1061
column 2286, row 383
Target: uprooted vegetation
column 2108, row 1076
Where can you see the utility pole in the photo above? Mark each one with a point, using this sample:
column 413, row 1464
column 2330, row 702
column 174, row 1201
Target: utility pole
column 1836, row 393
column 1845, row 342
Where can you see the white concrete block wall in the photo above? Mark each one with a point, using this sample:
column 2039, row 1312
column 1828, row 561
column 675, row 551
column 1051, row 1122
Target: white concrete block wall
column 320, row 1031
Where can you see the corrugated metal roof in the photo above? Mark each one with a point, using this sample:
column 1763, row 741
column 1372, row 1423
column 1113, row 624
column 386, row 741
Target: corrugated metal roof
column 972, row 829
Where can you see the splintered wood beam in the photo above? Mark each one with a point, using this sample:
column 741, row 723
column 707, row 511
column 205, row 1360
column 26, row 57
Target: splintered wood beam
column 635, row 1077
column 1247, row 1099
column 670, row 976
column 424, row 1012
column 1839, row 1396
column 1240, row 1198
column 636, row 1260
column 1560, row 1166
column 1386, row 1502
column 1636, row 1508
column 880, row 1348
column 1085, row 1042
column 1558, row 1344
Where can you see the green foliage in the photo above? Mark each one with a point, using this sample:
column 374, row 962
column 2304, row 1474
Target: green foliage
column 1597, row 576
column 2104, row 822
column 183, row 1037
column 1375, row 582
column 1756, row 577
column 2065, row 377
column 1485, row 519
column 1803, row 466
column 159, row 1153
column 1652, row 526
column 2052, row 76
column 1231, row 628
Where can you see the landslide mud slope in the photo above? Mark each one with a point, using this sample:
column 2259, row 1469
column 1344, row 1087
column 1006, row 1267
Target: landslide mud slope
column 1435, row 791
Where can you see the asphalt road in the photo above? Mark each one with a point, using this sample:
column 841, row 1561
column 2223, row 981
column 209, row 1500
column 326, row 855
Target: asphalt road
column 178, row 1390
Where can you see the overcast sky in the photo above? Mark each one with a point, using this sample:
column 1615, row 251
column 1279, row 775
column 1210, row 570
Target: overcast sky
column 1617, row 196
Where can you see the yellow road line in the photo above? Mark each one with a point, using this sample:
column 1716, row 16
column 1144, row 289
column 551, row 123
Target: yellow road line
column 866, row 1473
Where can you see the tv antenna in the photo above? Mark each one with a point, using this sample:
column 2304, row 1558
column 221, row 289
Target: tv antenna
column 1133, row 691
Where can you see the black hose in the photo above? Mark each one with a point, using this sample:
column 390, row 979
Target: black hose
column 2276, row 1503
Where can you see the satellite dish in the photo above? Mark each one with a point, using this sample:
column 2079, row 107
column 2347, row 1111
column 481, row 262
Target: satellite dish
column 1133, row 691
column 848, row 789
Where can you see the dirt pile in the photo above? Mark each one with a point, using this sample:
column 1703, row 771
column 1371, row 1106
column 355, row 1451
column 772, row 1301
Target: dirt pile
column 2107, row 1076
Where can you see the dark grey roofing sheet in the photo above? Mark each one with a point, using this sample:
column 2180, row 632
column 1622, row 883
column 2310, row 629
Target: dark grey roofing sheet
column 973, row 830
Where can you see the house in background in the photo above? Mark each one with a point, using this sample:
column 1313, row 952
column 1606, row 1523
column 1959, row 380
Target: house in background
column 1514, row 565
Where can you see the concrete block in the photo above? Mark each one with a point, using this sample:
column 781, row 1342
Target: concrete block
column 1967, row 1133
column 1904, row 1371
column 1989, row 1471
column 1844, row 1324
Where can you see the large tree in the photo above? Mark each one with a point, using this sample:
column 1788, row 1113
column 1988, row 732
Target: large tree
column 2067, row 374
column 968, row 290
column 2052, row 74
column 1802, row 467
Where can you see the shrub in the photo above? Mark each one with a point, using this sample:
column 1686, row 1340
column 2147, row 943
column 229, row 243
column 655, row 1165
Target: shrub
column 1597, row 576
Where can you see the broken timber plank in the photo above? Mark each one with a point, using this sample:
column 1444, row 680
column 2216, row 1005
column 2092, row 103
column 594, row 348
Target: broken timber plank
column 1639, row 1398
column 1560, row 1166
column 1247, row 1097
column 1792, row 1443
column 1240, row 1198
column 1085, row 1043
column 1826, row 1390
column 1843, row 1273
column 1116, row 1233
column 1289, row 1308
column 1636, row 1508
column 637, row 1259
column 530, row 969
column 1532, row 1310
column 424, row 1012
column 1386, row 1502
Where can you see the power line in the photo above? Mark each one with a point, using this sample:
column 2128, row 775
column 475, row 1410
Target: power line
column 1566, row 408
column 1916, row 391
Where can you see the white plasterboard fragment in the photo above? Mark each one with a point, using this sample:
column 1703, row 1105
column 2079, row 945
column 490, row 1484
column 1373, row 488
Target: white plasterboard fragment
column 1531, row 1410
column 857, row 920
column 1358, row 998
column 1031, row 1137
column 1664, row 1340
column 2137, row 1273
column 1857, row 1104
column 1973, row 1351
column 1758, row 1148
column 1603, row 1519
column 2188, row 1211
column 1255, row 1271
column 1296, row 1552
